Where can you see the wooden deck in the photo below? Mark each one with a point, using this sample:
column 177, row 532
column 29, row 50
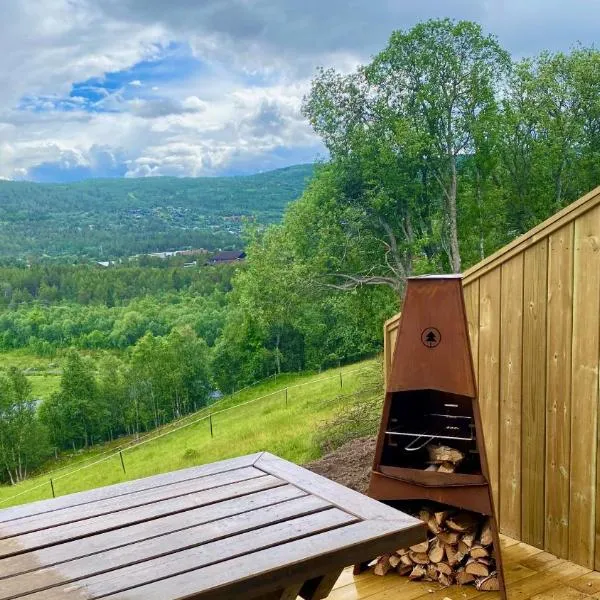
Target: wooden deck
column 530, row 574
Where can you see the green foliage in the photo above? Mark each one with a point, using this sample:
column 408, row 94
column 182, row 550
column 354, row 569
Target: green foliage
column 120, row 217
column 162, row 379
column 143, row 300
column 263, row 425
column 442, row 150
column 23, row 439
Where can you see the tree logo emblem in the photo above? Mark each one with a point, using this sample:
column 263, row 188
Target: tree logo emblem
column 431, row 337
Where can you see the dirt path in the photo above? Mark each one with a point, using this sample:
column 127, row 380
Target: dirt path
column 349, row 465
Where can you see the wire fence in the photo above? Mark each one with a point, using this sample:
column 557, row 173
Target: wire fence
column 207, row 415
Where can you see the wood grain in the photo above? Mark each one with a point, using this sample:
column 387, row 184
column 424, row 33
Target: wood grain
column 489, row 373
column 111, row 505
column 146, row 554
column 584, row 388
column 140, row 514
column 471, row 293
column 119, row 538
column 558, row 386
column 533, row 423
column 511, row 347
column 266, row 530
column 121, row 489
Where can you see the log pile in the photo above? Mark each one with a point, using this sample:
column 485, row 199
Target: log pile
column 444, row 459
column 459, row 550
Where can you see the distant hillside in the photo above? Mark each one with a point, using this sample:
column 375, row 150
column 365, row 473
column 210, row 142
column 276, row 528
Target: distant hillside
column 119, row 217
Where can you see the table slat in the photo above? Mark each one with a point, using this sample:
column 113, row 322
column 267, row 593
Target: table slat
column 265, row 570
column 122, row 489
column 139, row 514
column 207, row 554
column 47, row 557
column 111, row 505
column 118, row 558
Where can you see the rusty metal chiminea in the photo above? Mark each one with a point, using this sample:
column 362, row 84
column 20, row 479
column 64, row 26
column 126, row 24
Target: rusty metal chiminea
column 431, row 398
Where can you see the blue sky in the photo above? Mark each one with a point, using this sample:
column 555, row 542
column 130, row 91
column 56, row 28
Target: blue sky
column 136, row 88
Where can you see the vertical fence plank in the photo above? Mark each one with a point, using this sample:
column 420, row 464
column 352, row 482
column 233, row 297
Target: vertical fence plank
column 511, row 347
column 471, row 292
column 558, row 389
column 489, row 371
column 533, row 423
column 584, row 388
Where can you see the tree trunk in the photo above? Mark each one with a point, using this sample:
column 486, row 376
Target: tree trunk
column 277, row 358
column 453, row 219
column 480, row 209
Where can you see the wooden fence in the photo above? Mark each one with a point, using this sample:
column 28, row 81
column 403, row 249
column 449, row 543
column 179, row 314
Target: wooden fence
column 534, row 320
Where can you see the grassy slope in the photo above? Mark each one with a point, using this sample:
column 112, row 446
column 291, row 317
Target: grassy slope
column 262, row 425
column 43, row 383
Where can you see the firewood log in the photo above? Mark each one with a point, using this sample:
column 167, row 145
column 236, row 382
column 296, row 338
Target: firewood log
column 441, row 454
column 382, row 566
column 449, row 537
column 469, row 538
column 394, row 560
column 422, row 547
column 447, row 467
column 486, row 538
column 445, row 568
column 488, row 584
column 406, row 560
column 462, row 522
column 425, row 514
column 464, row 578
column 445, row 580
column 477, row 569
column 433, row 526
column 441, row 516
column 432, row 573
column 463, row 548
column 402, row 551
column 404, row 569
column 452, row 555
column 418, row 572
column 436, row 551
column 479, row 552
column 419, row 558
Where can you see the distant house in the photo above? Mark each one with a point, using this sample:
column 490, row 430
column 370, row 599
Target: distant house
column 227, row 256
column 193, row 252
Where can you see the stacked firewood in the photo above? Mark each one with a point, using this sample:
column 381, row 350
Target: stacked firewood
column 459, row 550
column 444, row 459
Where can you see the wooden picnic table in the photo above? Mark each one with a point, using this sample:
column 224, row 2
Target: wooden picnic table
column 250, row 527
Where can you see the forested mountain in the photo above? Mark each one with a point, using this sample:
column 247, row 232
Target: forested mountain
column 105, row 218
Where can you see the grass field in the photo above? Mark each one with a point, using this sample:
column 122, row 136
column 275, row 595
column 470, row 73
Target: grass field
column 46, row 378
column 257, row 419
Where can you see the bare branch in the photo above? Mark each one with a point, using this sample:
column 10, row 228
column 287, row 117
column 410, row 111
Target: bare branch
column 351, row 282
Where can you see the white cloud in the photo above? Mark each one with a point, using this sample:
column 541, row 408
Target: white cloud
column 240, row 109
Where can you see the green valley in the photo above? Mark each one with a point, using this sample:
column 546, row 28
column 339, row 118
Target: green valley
column 108, row 218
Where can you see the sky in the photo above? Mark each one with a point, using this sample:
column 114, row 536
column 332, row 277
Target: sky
column 139, row 88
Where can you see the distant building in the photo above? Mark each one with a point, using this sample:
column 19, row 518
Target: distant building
column 193, row 252
column 227, row 256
